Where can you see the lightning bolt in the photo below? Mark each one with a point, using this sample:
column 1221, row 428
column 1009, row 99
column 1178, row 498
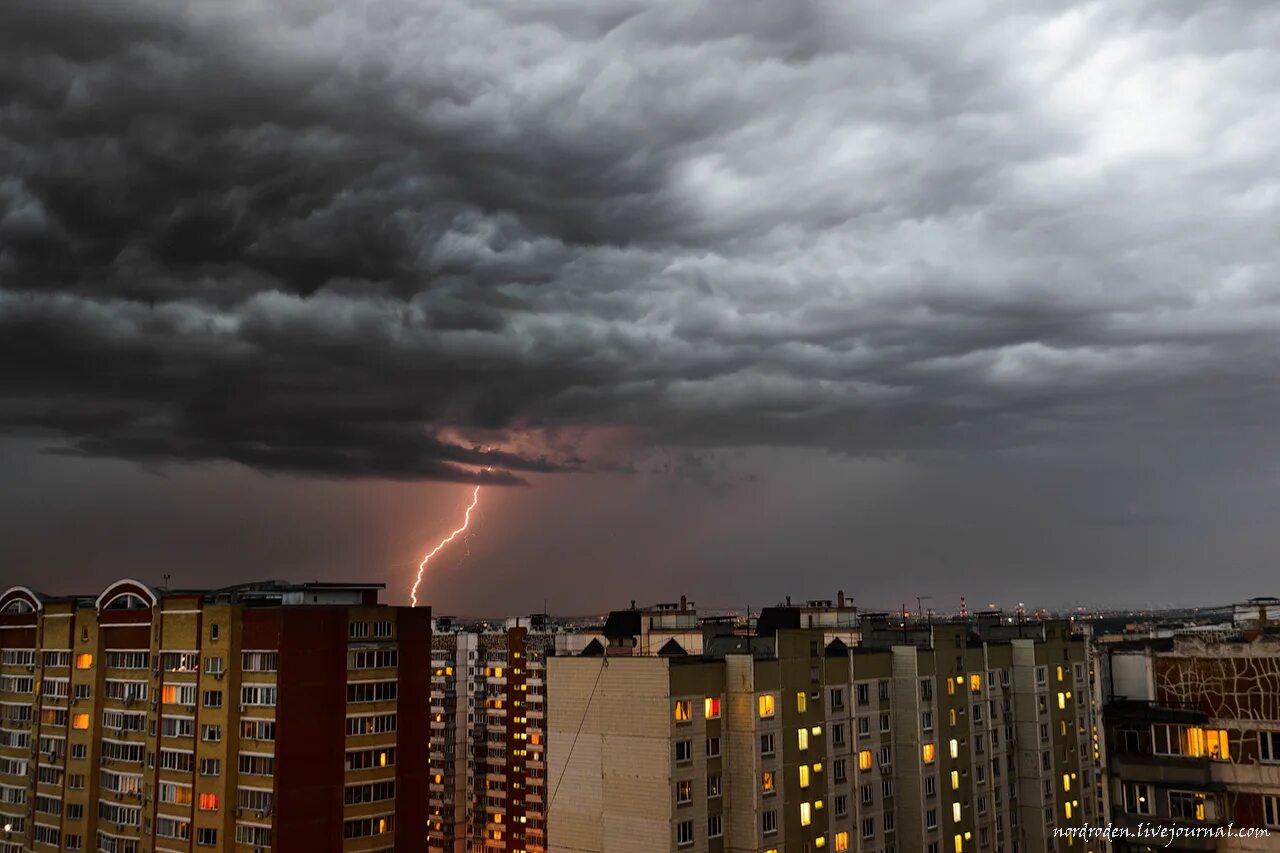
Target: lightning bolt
column 466, row 522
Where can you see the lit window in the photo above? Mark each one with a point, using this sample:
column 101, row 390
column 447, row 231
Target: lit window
column 951, row 716
column 382, row 759
column 766, row 705
column 1066, row 781
column 802, row 737
column 1066, row 810
column 842, row 842
column 84, row 661
column 684, row 710
column 80, row 721
column 928, row 753
column 959, row 844
column 208, row 802
column 975, row 683
column 954, row 746
column 806, row 814
column 864, row 760
column 169, row 694
column 820, row 841
column 1062, row 700
column 804, row 775
column 1059, row 673
column 955, row 812
column 1216, row 743
column 802, row 702
column 766, row 781
column 712, row 708
column 955, row 780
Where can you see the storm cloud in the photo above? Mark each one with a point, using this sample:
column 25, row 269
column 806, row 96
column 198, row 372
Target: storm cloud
column 481, row 241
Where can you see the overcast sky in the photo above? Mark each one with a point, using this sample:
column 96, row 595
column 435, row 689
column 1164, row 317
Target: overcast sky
column 735, row 299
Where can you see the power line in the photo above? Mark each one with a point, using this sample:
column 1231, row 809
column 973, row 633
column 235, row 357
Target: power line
column 604, row 662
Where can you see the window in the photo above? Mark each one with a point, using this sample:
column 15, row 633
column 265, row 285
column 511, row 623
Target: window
column 868, row 827
column 769, row 822
column 766, row 744
column 1271, row 811
column 363, row 759
column 684, row 792
column 928, row 752
column 713, row 747
column 207, row 836
column 931, row 819
column 1137, row 798
column 210, row 766
column 884, row 689
column 713, row 786
column 884, row 722
column 864, row 727
column 802, row 701
column 841, row 805
column 254, row 835
column 841, row 842
column 265, row 695
column 683, row 711
column 213, row 632
column 358, row 691
column 211, row 734
column 684, row 833
column 260, row 765
column 804, row 776
column 684, row 751
column 711, row 708
column 80, row 721
column 806, row 814
column 371, row 792
column 84, row 661
column 864, row 694
column 365, row 724
column 837, row 734
column 926, row 721
column 382, row 630
column 864, row 759
column 263, row 661
column 1186, row 805
column 888, row 821
column 368, row 826
column 837, row 698
column 931, row 786
column 926, row 689
column 766, row 705
column 715, row 826
column 1269, row 747
column 213, row 665
column 213, row 698
column 766, row 782
column 170, row 792
column 802, row 738
column 208, row 802
column 839, row 769
column 866, row 795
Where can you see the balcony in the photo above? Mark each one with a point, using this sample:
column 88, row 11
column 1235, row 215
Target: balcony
column 1165, row 770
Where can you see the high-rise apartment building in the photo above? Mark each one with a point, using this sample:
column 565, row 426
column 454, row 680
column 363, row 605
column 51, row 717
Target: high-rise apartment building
column 263, row 716
column 1193, row 732
column 488, row 735
column 952, row 737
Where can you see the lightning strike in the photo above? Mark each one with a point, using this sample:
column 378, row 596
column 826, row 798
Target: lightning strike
column 466, row 522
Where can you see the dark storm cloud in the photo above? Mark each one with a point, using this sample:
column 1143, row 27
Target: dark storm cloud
column 412, row 240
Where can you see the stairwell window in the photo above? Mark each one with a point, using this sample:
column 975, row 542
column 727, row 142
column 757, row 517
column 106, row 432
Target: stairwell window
column 683, row 711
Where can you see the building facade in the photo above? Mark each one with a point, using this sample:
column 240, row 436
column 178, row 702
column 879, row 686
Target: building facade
column 264, row 716
column 965, row 736
column 1193, row 734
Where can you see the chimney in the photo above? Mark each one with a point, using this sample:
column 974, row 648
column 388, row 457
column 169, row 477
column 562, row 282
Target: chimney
column 682, row 604
column 840, row 598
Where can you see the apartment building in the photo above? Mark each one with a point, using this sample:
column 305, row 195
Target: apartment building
column 488, row 734
column 961, row 736
column 263, row 716
column 1193, row 731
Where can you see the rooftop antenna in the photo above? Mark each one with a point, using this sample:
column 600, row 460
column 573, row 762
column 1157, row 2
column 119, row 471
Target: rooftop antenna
column 166, row 581
column 920, row 599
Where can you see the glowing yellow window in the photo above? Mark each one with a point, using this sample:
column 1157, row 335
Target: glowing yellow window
column 1066, row 781
column 802, row 738
column 820, row 841
column 864, row 760
column 1063, row 727
column 766, row 705
column 842, row 842
column 169, row 694
column 84, row 661
column 535, row 738
column 439, row 779
column 802, row 702
column 804, row 775
column 1062, row 701
column 955, row 780
column 951, row 716
column 711, row 708
column 382, row 759
column 951, row 687
column 806, row 814
column 80, row 721
column 684, row 710
column 817, row 805
column 975, row 683
column 382, row 825
column 959, row 844
column 1066, row 810
column 1059, row 673
column 448, row 670
column 928, row 752
column 1217, row 746
column 766, row 781
column 955, row 812
column 954, row 747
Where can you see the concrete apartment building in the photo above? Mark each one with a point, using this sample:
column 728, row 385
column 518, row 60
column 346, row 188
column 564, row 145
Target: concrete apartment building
column 488, row 734
column 263, row 716
column 1193, row 729
column 966, row 736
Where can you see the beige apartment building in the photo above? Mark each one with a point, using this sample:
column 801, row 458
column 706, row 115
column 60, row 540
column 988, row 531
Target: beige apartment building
column 960, row 736
column 259, row 717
